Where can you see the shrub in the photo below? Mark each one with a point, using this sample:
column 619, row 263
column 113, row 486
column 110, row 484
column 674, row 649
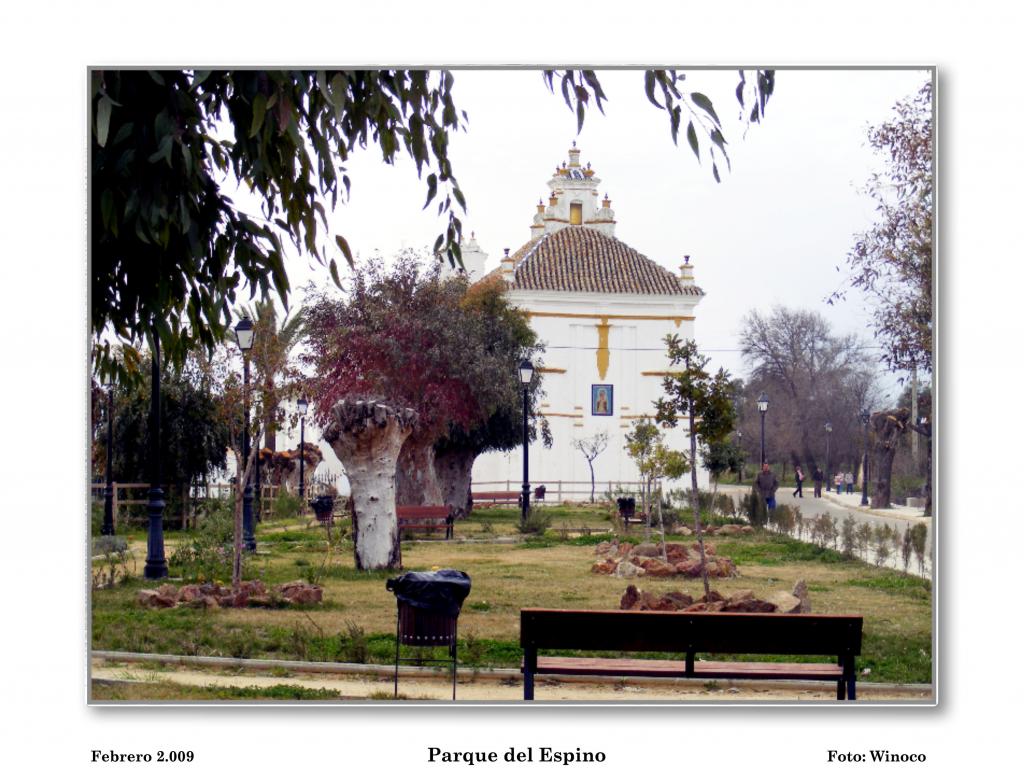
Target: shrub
column 849, row 536
column 754, row 509
column 824, row 531
column 906, row 547
column 207, row 556
column 919, row 543
column 537, row 522
column 863, row 538
column 784, row 518
column 113, row 566
column 286, row 505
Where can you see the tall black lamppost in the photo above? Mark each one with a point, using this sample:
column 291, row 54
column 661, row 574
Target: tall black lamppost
column 156, row 563
column 303, row 406
column 108, row 490
column 762, row 407
column 828, row 456
column 526, row 377
column 245, row 335
column 743, row 456
column 865, row 416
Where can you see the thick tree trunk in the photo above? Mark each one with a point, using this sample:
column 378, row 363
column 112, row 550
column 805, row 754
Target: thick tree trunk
column 416, row 480
column 882, row 499
column 888, row 427
column 367, row 437
column 453, row 470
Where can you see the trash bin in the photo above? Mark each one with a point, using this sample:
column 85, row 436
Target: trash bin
column 539, row 492
column 323, row 506
column 429, row 603
column 627, row 509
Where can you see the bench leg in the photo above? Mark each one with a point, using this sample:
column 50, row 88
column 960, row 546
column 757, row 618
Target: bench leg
column 529, row 667
column 851, row 689
column 841, row 690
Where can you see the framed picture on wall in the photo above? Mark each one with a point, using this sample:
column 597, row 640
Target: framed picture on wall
column 602, row 399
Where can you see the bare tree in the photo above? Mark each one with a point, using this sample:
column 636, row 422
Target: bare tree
column 812, row 377
column 591, row 447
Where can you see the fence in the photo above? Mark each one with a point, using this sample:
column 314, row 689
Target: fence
column 561, row 490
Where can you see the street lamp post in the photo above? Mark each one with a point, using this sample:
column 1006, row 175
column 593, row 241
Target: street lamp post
column 762, row 407
column 743, row 457
column 526, row 377
column 245, row 336
column 156, row 562
column 108, row 490
column 828, row 457
column 303, row 406
column 865, row 416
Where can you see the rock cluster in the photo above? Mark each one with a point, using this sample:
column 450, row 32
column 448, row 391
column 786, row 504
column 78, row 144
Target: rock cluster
column 716, row 530
column 249, row 594
column 625, row 560
column 737, row 602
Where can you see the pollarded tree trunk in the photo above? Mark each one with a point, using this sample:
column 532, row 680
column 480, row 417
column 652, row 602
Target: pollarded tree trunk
column 416, row 480
column 367, row 437
column 887, row 427
column 454, row 471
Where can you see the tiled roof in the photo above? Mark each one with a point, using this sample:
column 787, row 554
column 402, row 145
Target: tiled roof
column 581, row 259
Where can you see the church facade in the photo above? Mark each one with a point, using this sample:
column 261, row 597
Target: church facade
column 602, row 310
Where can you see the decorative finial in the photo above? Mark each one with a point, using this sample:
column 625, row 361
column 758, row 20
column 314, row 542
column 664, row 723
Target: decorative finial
column 588, row 164
column 686, row 259
column 574, row 143
column 506, row 252
column 563, row 164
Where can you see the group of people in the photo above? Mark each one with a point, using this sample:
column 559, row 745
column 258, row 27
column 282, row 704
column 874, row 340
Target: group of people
column 766, row 483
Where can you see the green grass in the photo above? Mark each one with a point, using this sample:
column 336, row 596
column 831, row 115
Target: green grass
column 356, row 621
column 771, row 549
column 167, row 691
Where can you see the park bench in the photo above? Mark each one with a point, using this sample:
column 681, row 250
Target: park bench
column 483, row 500
column 690, row 634
column 434, row 518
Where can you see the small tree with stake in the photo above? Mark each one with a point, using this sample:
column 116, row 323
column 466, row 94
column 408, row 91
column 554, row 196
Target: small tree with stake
column 654, row 461
column 591, row 447
column 707, row 403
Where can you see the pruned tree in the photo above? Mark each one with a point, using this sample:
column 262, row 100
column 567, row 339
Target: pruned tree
column 891, row 263
column 367, row 437
column 591, row 447
column 170, row 250
column 706, row 401
column 502, row 337
column 398, row 338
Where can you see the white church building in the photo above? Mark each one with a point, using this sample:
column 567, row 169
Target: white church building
column 602, row 310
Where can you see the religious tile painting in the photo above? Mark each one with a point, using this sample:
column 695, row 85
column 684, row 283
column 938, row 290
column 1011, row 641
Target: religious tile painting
column 601, row 399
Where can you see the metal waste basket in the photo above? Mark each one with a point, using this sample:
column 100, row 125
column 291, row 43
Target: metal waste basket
column 428, row 612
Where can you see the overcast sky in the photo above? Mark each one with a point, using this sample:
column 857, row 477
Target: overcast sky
column 772, row 232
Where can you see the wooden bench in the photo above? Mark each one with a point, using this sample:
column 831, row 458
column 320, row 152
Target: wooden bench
column 434, row 518
column 690, row 634
column 483, row 500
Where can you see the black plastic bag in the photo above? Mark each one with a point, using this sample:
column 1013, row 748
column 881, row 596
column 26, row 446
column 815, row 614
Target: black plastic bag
column 440, row 591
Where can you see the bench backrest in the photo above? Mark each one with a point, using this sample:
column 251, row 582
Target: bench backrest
column 423, row 512
column 668, row 631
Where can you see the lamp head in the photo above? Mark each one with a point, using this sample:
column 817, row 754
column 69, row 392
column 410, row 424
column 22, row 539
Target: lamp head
column 245, row 334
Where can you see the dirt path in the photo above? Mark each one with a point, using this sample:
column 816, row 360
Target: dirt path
column 365, row 687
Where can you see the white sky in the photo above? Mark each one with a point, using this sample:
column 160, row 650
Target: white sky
column 771, row 233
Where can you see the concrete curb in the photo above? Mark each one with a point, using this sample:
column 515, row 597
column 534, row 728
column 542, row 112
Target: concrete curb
column 338, row 668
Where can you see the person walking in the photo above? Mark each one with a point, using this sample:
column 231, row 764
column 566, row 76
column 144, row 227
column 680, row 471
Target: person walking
column 848, row 478
column 799, row 491
column 818, row 478
column 837, row 480
column 766, row 485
